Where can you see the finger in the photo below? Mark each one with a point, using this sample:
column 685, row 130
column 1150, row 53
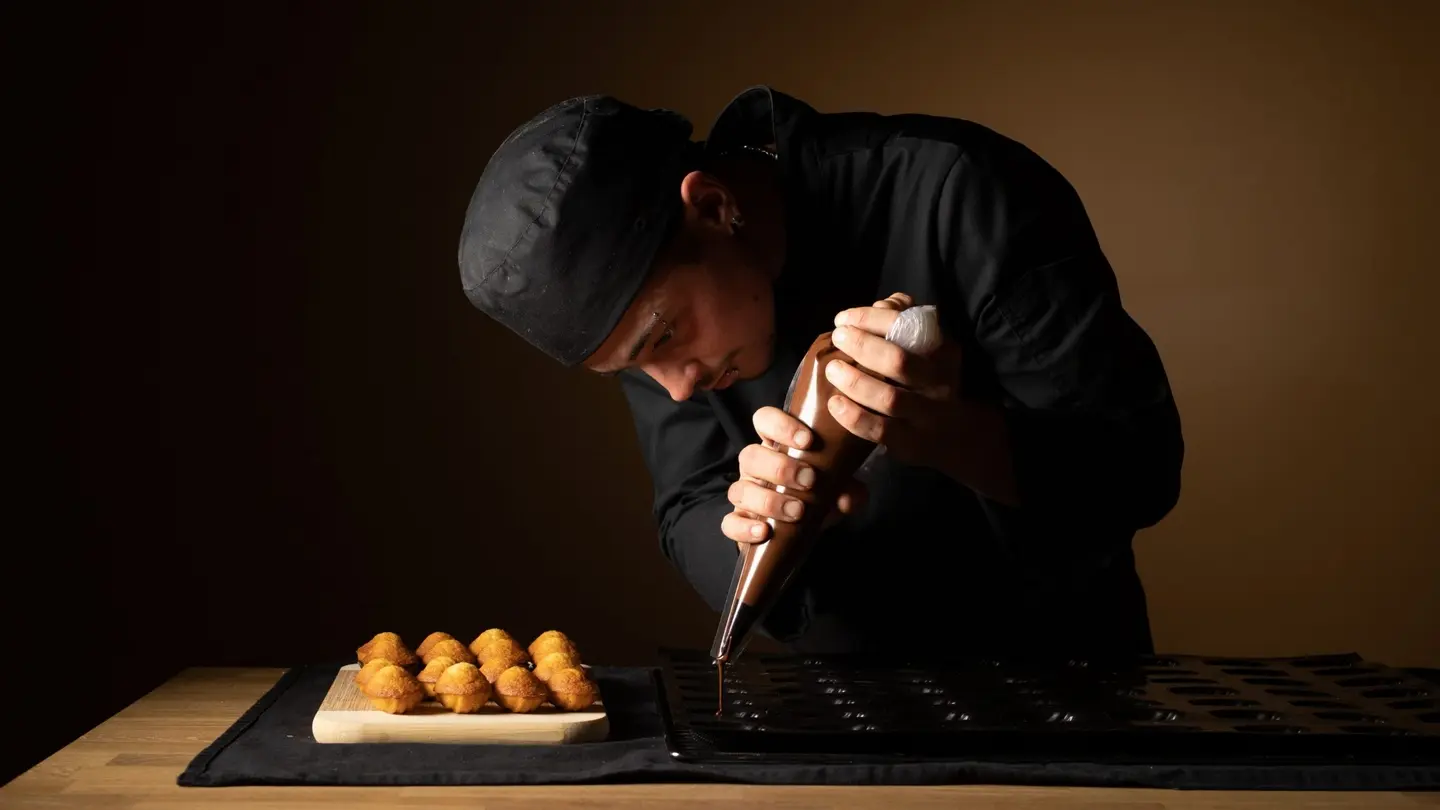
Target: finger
column 875, row 320
column 852, row 498
column 896, row 301
column 876, row 353
column 742, row 527
column 860, row 387
column 764, row 502
column 774, row 467
column 862, row 423
column 780, row 427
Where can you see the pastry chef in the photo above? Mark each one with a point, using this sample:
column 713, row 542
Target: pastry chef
column 1019, row 461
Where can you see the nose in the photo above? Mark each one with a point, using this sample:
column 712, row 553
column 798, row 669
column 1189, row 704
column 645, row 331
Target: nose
column 677, row 380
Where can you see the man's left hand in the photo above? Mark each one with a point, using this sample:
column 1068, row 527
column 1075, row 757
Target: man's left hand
column 916, row 410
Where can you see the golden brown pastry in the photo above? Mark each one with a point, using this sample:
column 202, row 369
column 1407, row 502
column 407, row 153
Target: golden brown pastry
column 364, row 652
column 452, row 649
column 505, row 650
column 431, row 673
column 572, row 690
column 393, row 689
column 551, row 641
column 492, row 668
column 518, row 690
column 462, row 689
column 387, row 646
column 487, row 638
column 554, row 662
column 424, row 649
column 368, row 671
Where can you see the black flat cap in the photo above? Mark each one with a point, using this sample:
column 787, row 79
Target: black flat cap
column 568, row 216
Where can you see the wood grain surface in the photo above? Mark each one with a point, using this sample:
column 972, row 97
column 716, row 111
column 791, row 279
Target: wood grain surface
column 132, row 760
column 346, row 716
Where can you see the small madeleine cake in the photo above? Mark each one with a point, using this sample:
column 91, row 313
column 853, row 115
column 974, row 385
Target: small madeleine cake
column 499, row 656
column 546, row 636
column 462, row 689
column 518, row 690
column 487, row 638
column 387, row 646
column 394, row 690
column 368, row 671
column 553, row 641
column 572, row 690
column 431, row 673
column 554, row 662
column 452, row 649
column 430, row 641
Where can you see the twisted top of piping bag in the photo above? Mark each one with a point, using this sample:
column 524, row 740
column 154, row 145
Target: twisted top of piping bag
column 917, row 330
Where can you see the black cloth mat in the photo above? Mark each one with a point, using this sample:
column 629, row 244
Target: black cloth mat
column 271, row 744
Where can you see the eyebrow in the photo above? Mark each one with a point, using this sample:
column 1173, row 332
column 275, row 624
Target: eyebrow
column 639, row 344
column 644, row 337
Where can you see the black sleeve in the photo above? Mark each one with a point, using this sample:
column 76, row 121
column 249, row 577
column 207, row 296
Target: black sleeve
column 1094, row 429
column 691, row 467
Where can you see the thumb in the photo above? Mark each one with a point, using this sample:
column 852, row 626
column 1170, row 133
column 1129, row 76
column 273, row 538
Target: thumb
column 850, row 501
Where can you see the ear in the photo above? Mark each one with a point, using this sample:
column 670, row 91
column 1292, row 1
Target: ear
column 710, row 201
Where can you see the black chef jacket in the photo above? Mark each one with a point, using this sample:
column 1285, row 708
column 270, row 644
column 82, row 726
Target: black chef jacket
column 958, row 216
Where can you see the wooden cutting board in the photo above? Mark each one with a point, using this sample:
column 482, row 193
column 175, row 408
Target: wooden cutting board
column 346, row 716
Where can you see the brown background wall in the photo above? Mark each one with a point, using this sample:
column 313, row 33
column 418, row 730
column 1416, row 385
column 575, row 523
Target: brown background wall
column 278, row 427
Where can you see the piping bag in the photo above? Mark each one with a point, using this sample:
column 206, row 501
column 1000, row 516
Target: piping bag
column 765, row 569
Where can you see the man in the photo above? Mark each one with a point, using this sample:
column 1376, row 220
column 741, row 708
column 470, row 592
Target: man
column 1019, row 460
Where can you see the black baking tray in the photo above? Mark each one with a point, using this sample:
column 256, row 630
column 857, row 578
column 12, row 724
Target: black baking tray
column 1327, row 709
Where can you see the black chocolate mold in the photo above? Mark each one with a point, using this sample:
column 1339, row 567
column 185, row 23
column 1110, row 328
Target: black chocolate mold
column 1321, row 704
column 1204, row 690
column 1335, row 672
column 1396, row 692
column 1318, row 708
column 1371, row 680
column 1247, row 714
column 1314, row 661
column 1350, row 717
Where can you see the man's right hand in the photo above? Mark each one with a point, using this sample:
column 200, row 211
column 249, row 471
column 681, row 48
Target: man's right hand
column 762, row 467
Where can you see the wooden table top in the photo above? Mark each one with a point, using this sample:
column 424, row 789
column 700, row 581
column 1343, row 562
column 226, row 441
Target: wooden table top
column 133, row 759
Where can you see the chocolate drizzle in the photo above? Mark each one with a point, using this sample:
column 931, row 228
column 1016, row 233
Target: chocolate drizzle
column 719, row 688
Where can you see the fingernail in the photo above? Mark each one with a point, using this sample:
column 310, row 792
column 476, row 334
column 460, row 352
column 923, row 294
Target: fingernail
column 834, row 372
column 840, row 336
column 757, row 531
column 802, row 438
column 793, row 509
column 806, row 477
column 837, row 404
column 842, row 319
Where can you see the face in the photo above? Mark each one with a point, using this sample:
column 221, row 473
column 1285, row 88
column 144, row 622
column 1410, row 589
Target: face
column 705, row 317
